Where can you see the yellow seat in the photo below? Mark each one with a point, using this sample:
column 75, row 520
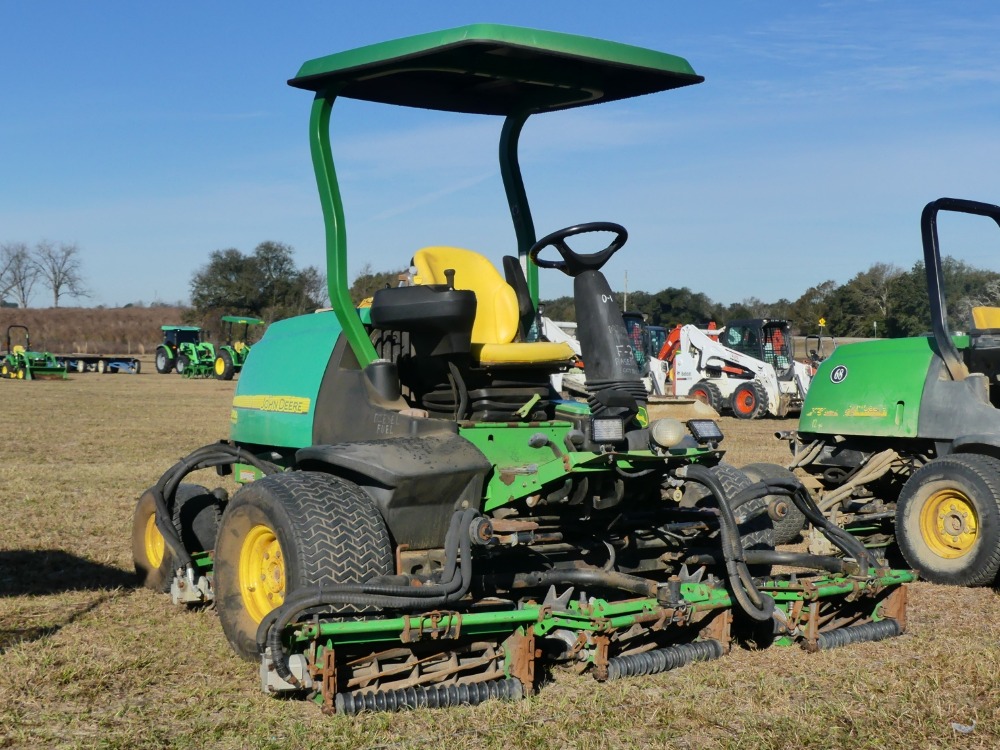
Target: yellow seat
column 17, row 349
column 495, row 326
column 986, row 318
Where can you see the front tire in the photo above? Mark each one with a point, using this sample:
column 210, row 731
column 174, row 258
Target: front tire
column 948, row 520
column 749, row 401
column 196, row 518
column 183, row 363
column 288, row 531
column 708, row 393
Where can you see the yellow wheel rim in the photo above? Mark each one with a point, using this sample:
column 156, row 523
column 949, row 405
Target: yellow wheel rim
column 220, row 366
column 948, row 523
column 154, row 543
column 262, row 572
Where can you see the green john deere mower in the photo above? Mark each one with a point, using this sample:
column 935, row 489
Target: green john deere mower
column 421, row 521
column 899, row 439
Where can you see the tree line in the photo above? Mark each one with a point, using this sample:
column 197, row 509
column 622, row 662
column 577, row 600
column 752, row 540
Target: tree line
column 265, row 284
column 57, row 267
column 884, row 300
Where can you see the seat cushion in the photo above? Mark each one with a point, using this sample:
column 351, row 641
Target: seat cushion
column 986, row 318
column 533, row 353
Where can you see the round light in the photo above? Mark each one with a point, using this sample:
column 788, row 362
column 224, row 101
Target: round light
column 667, row 432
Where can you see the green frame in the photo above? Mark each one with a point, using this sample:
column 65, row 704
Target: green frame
column 479, row 69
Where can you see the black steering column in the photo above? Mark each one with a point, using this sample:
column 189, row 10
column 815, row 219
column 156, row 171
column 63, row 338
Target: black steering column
column 613, row 377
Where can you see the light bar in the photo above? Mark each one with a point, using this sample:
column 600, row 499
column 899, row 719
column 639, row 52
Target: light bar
column 705, row 430
column 607, row 430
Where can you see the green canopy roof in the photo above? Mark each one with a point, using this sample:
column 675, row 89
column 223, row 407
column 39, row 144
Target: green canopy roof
column 496, row 70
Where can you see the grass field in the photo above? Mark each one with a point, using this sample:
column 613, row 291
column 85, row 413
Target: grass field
column 87, row 660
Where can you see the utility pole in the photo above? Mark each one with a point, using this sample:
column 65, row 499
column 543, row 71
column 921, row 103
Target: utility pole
column 625, row 297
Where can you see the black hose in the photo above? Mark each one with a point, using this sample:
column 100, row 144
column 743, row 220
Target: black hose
column 165, row 490
column 846, row 542
column 458, row 384
column 757, row 605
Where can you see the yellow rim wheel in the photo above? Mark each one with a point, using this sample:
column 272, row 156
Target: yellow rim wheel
column 262, row 572
column 948, row 523
column 155, row 546
column 220, row 366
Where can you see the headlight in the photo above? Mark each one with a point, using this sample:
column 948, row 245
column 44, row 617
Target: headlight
column 667, row 432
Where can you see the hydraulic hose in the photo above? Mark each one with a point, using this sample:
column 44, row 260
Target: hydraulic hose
column 850, row 546
column 458, row 544
column 165, row 489
column 757, row 605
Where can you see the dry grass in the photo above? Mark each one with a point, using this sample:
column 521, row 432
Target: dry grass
column 89, row 661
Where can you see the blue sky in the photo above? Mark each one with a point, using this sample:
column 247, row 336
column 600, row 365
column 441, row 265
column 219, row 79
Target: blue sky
column 151, row 134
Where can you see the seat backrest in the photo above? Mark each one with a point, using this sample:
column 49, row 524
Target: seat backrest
column 496, row 302
column 986, row 318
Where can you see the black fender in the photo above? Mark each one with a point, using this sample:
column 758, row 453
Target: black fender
column 984, row 444
column 417, row 482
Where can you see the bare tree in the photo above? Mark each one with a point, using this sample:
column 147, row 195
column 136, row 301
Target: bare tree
column 19, row 272
column 59, row 268
column 6, row 255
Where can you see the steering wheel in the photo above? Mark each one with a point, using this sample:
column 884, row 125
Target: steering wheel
column 572, row 263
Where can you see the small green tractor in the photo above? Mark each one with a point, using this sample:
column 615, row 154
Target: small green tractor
column 20, row 362
column 239, row 333
column 185, row 349
column 421, row 521
column 899, row 439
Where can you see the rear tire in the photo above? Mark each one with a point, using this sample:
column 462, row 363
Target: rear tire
column 749, row 401
column 288, row 531
column 224, row 369
column 80, row 366
column 787, row 528
column 708, row 393
column 196, row 518
column 164, row 361
column 102, row 366
column 948, row 520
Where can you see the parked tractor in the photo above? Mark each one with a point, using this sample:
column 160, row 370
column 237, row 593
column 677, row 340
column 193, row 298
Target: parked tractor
column 900, row 438
column 239, row 332
column 422, row 523
column 21, row 362
column 185, row 350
